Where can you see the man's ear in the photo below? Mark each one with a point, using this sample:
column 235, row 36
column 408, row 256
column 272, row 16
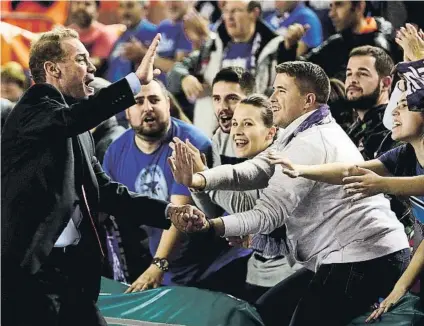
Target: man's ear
column 127, row 116
column 386, row 83
column 52, row 69
column 256, row 13
column 310, row 100
column 271, row 133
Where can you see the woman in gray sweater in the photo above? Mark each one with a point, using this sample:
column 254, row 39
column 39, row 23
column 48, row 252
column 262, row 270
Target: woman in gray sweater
column 252, row 132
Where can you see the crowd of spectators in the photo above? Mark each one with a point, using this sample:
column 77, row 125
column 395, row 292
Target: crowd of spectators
column 295, row 126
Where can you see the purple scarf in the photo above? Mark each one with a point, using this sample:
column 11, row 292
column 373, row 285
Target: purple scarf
column 274, row 245
column 316, row 118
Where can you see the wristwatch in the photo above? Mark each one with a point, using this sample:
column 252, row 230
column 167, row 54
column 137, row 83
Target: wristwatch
column 161, row 263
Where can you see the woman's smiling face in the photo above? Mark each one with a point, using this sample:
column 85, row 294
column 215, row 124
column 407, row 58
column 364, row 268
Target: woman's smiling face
column 249, row 134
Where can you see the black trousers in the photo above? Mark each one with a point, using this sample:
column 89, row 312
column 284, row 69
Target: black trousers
column 229, row 279
column 334, row 295
column 63, row 292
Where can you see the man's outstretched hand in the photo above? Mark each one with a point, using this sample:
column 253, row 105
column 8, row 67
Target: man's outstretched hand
column 188, row 219
column 145, row 71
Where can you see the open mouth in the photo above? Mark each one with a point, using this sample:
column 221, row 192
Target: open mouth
column 396, row 124
column 225, row 121
column 241, row 143
column 149, row 120
column 275, row 108
column 87, row 86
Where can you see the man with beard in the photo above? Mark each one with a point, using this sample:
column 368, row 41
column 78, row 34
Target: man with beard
column 368, row 85
column 229, row 87
column 95, row 36
column 139, row 160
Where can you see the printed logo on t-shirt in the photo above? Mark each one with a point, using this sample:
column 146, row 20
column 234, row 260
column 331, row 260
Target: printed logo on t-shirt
column 117, row 51
column 237, row 62
column 166, row 44
column 151, row 182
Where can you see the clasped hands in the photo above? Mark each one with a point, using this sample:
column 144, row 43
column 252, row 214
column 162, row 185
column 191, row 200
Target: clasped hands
column 188, row 218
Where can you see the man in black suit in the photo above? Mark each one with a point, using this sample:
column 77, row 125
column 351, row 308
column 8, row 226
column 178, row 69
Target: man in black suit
column 53, row 186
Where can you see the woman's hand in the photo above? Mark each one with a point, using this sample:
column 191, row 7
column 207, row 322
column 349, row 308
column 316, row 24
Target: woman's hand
column 397, row 293
column 363, row 183
column 199, row 159
column 289, row 168
column 240, row 242
column 182, row 165
column 411, row 41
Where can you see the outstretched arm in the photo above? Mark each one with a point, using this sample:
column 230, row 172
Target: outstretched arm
column 53, row 120
column 333, row 173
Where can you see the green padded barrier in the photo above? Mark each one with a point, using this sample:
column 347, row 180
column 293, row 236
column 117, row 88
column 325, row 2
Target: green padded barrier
column 407, row 312
column 173, row 305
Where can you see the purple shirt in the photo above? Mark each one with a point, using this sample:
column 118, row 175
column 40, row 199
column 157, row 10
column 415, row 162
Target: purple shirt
column 173, row 40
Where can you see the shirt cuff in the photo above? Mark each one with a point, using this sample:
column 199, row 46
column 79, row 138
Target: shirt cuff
column 166, row 211
column 232, row 226
column 135, row 84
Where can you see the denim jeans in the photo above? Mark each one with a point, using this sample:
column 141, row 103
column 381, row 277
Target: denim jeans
column 336, row 293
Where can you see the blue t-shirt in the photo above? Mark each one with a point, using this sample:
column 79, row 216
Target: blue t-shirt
column 239, row 55
column 173, row 40
column 402, row 161
column 150, row 175
column 118, row 66
column 301, row 15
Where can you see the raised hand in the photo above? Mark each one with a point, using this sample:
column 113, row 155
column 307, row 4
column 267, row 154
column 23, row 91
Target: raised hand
column 411, row 41
column 188, row 219
column 396, row 294
column 362, row 183
column 289, row 169
column 150, row 279
column 293, row 34
column 182, row 165
column 134, row 50
column 191, row 87
column 199, row 159
column 145, row 71
column 196, row 28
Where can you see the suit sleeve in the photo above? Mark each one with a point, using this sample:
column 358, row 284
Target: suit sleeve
column 117, row 200
column 51, row 119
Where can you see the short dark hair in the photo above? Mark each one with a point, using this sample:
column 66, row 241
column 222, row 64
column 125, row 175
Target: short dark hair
column 48, row 47
column 261, row 102
column 369, row 8
column 309, row 78
column 252, row 5
column 162, row 86
column 236, row 75
column 383, row 62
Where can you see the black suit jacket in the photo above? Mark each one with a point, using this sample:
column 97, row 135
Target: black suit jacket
column 47, row 154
